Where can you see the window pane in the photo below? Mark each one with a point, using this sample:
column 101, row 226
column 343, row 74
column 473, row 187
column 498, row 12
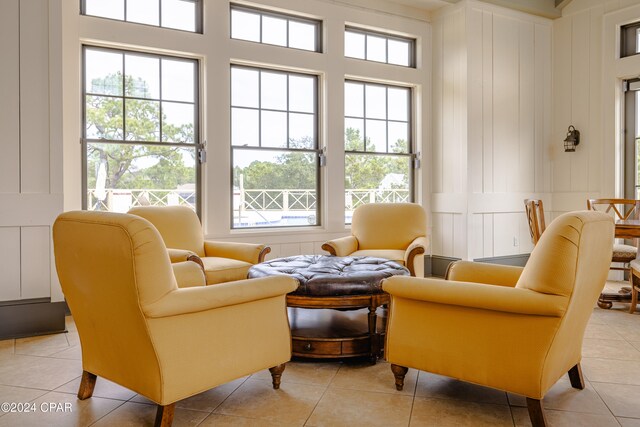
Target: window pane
column 143, row 76
column 301, row 131
column 376, row 135
column 354, row 99
column 399, row 52
column 302, row 94
column 104, row 118
column 354, row 45
column 398, row 137
column 274, row 30
column 302, row 35
column 378, row 178
column 244, row 127
column 244, row 88
column 177, row 80
column 179, row 14
column 398, row 104
column 376, row 102
column 273, row 90
column 245, row 25
column 274, row 189
column 178, row 122
column 143, row 11
column 354, row 134
column 113, row 9
column 376, row 48
column 142, row 120
column 156, row 175
column 103, row 72
column 273, row 129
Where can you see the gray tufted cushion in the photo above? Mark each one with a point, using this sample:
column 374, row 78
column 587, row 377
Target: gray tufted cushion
column 321, row 275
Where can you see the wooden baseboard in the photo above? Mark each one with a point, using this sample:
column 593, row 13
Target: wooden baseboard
column 517, row 260
column 436, row 265
column 26, row 318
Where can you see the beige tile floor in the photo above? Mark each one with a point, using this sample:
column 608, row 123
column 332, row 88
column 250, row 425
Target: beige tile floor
column 46, row 370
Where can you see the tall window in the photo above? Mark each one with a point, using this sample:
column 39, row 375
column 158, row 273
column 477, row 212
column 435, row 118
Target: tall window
column 278, row 29
column 379, row 47
column 378, row 147
column 275, row 154
column 178, row 14
column 140, row 130
column 632, row 139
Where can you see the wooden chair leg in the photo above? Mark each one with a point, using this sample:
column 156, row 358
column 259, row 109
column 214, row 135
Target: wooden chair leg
column 276, row 375
column 399, row 372
column 575, row 376
column 536, row 413
column 634, row 293
column 164, row 415
column 87, row 384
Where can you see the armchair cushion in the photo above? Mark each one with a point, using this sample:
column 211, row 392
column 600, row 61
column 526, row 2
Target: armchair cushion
column 390, row 254
column 219, row 270
column 388, row 225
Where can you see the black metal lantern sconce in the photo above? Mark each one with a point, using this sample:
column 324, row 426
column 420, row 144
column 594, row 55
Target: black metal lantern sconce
column 572, row 139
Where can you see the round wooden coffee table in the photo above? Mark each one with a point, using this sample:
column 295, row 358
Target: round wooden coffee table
column 349, row 291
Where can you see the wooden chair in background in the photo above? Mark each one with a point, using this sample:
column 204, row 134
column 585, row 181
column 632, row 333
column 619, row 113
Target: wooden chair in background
column 535, row 217
column 621, row 210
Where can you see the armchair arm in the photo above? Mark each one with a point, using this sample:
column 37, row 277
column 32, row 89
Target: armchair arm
column 180, row 255
column 480, row 272
column 476, row 295
column 188, row 274
column 342, row 246
column 248, row 252
column 417, row 247
column 203, row 298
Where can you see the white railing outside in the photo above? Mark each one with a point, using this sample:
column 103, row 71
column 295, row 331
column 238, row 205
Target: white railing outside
column 251, row 207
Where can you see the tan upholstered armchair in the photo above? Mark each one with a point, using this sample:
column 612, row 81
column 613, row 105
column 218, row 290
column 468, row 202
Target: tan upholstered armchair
column 181, row 231
column 509, row 328
column 139, row 330
column 395, row 231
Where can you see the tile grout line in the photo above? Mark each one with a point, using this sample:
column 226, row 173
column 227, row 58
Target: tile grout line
column 335, row 374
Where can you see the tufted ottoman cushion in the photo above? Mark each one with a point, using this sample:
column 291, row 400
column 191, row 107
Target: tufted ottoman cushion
column 321, row 275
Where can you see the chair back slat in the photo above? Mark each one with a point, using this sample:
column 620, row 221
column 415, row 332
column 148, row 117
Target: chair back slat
column 535, row 217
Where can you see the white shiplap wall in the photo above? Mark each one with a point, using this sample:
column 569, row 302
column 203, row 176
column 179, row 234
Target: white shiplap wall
column 491, row 128
column 30, row 170
column 587, row 76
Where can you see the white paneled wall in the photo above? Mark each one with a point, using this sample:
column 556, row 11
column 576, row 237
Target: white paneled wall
column 28, row 201
column 587, row 76
column 491, row 129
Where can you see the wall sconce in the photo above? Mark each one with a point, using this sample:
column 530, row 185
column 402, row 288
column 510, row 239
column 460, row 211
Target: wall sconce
column 572, row 139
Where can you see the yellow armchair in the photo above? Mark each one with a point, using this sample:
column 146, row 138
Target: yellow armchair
column 509, row 328
column 395, row 231
column 181, row 231
column 138, row 329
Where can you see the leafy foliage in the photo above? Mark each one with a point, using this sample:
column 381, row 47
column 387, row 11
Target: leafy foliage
column 128, row 165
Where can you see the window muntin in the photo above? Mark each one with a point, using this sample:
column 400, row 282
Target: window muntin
column 379, row 47
column 267, row 27
column 176, row 14
column 274, row 142
column 378, row 145
column 140, row 130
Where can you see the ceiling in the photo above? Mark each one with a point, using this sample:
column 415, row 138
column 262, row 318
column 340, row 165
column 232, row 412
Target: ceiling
column 546, row 8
